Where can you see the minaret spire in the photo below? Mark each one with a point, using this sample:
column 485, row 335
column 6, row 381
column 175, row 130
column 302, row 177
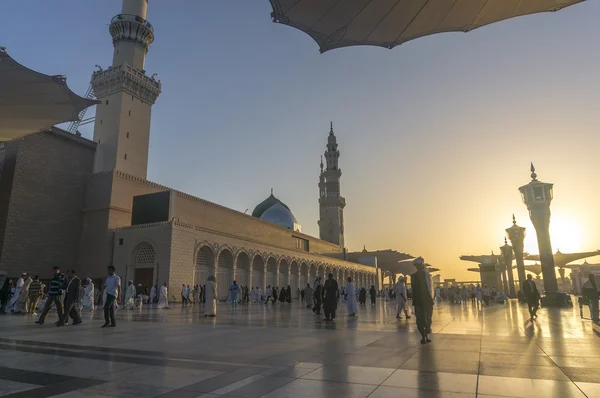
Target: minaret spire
column 126, row 94
column 331, row 203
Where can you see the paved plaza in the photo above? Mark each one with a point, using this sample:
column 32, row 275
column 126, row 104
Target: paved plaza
column 286, row 351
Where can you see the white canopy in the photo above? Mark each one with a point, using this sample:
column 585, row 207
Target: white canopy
column 32, row 102
column 388, row 23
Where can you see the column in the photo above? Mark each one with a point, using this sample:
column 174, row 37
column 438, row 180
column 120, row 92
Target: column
column 264, row 278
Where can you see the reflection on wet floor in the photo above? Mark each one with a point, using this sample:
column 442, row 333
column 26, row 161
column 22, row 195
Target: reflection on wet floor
column 285, row 350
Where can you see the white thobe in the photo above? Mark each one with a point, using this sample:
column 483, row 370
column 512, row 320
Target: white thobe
column 130, row 296
column 163, row 298
column 152, row 294
column 88, row 296
column 351, row 297
column 14, row 301
column 210, row 295
column 400, row 292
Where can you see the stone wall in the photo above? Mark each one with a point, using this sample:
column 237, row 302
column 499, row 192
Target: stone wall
column 7, row 172
column 44, row 218
column 109, row 200
column 178, row 257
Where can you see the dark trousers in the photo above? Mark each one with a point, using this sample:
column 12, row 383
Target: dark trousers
column 594, row 309
column 533, row 305
column 373, row 300
column 329, row 306
column 72, row 310
column 59, row 309
column 317, row 307
column 109, row 309
column 423, row 314
column 184, row 300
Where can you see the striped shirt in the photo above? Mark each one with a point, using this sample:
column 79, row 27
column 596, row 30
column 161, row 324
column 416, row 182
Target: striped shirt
column 56, row 285
column 35, row 288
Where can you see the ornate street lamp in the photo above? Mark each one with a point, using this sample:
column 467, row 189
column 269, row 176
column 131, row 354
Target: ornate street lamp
column 507, row 253
column 516, row 235
column 537, row 196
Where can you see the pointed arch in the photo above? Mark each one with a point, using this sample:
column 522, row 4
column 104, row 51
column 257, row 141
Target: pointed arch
column 258, row 269
column 242, row 268
column 204, row 263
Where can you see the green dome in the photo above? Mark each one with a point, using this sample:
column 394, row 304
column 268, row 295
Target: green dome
column 266, row 204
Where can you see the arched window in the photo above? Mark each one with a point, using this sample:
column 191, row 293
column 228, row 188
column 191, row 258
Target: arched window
column 145, row 254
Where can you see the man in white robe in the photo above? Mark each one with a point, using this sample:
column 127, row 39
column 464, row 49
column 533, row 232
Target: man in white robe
column 210, row 306
column 88, row 295
column 163, row 297
column 22, row 303
column 152, row 295
column 401, row 299
column 309, row 293
column 130, row 296
column 14, row 301
column 351, row 297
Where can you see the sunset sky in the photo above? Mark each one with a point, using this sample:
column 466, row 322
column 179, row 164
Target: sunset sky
column 435, row 136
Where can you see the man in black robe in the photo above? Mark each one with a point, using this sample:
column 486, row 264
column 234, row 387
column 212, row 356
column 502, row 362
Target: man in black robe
column 318, row 296
column 422, row 299
column 330, row 297
column 532, row 296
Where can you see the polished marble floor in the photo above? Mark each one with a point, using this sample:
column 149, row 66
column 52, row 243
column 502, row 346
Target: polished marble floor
column 286, row 351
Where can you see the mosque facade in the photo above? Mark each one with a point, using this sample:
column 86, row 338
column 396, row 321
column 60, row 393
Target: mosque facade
column 101, row 210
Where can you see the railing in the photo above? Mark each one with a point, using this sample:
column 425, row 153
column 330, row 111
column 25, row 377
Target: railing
column 134, row 18
column 80, row 122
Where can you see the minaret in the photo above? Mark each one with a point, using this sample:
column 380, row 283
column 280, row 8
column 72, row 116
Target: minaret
column 331, row 203
column 122, row 126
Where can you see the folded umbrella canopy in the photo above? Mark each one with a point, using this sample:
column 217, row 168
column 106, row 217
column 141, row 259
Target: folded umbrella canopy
column 388, row 23
column 31, row 101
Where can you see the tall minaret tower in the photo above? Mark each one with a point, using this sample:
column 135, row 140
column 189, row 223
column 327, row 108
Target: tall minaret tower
column 331, row 203
column 122, row 126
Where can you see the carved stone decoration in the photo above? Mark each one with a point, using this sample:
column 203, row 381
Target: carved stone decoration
column 126, row 78
column 131, row 28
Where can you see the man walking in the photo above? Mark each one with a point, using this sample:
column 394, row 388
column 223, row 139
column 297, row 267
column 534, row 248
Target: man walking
column 401, row 299
column 318, row 296
column 113, row 291
column 184, row 299
column 72, row 298
column 234, row 291
column 532, row 296
column 35, row 291
column 422, row 299
column 331, row 293
column 591, row 292
column 24, row 295
column 57, row 284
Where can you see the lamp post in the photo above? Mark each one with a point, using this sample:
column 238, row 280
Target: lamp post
column 507, row 253
column 516, row 235
column 537, row 196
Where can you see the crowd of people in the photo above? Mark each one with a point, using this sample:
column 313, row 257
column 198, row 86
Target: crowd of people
column 67, row 295
column 476, row 294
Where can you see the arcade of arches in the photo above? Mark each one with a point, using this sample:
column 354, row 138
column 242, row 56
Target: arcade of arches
column 247, row 268
column 263, row 269
column 178, row 254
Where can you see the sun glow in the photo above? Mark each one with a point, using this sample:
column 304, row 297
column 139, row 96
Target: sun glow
column 565, row 234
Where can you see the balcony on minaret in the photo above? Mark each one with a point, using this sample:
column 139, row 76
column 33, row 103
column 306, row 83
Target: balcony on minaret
column 132, row 35
column 127, row 78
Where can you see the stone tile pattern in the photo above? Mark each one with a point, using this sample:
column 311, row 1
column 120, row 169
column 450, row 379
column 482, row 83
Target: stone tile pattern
column 286, row 351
